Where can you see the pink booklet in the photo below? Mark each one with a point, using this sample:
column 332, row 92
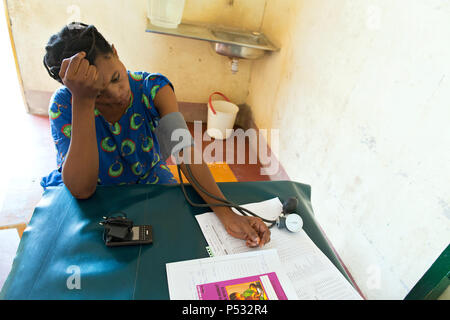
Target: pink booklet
column 260, row 287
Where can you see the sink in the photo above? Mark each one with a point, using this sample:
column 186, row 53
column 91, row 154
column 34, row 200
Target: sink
column 237, row 51
column 236, row 44
column 239, row 45
column 226, row 41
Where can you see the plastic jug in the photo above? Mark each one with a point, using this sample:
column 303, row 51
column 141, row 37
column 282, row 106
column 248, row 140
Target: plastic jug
column 165, row 13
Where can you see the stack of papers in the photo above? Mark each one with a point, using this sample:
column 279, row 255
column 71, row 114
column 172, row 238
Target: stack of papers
column 303, row 271
column 186, row 279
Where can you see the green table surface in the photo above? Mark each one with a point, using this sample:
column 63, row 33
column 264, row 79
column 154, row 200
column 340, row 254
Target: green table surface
column 64, row 232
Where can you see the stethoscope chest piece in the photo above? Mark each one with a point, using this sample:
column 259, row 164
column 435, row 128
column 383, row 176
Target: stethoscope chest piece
column 288, row 218
column 293, row 222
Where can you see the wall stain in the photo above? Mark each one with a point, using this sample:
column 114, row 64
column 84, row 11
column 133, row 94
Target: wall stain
column 445, row 207
column 368, row 139
column 370, row 142
column 402, row 174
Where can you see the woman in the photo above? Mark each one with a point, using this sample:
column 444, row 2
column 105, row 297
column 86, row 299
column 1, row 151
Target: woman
column 103, row 120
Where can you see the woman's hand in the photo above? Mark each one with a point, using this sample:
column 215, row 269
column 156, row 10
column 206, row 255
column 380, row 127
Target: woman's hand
column 251, row 229
column 82, row 79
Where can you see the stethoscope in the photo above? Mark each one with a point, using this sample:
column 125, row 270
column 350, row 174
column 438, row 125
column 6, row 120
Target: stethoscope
column 288, row 218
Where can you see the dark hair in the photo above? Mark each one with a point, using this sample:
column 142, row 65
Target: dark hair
column 73, row 38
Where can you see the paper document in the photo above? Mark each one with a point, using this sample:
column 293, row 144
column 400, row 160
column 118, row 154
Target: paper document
column 312, row 274
column 184, row 277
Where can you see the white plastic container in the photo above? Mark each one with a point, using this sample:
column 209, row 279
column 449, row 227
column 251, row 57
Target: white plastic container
column 165, row 13
column 221, row 117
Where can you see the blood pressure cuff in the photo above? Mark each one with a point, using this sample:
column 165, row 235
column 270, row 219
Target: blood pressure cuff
column 173, row 135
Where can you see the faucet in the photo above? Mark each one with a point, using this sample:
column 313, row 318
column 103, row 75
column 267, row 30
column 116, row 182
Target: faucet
column 234, row 65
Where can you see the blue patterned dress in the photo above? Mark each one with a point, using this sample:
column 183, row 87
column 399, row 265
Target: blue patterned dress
column 128, row 149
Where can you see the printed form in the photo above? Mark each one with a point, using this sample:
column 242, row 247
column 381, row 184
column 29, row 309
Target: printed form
column 184, row 276
column 312, row 274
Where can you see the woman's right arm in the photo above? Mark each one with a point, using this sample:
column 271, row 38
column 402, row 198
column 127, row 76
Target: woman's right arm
column 80, row 168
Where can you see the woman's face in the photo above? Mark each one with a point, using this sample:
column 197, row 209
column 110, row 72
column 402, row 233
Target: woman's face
column 117, row 86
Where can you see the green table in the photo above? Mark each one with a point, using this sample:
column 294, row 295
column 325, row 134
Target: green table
column 64, row 232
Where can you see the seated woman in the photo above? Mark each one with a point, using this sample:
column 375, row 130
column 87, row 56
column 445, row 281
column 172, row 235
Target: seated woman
column 103, row 121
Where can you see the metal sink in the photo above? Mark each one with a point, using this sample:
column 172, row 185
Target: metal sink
column 235, row 44
column 237, row 51
column 240, row 45
column 228, row 42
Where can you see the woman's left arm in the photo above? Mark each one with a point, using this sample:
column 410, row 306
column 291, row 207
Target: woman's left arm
column 251, row 229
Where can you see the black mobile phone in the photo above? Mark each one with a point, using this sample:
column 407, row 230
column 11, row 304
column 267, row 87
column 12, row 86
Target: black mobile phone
column 138, row 235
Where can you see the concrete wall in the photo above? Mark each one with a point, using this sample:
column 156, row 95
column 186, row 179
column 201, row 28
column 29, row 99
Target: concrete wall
column 360, row 92
column 194, row 68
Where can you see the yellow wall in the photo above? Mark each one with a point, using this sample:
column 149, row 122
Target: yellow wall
column 194, row 68
column 241, row 14
column 360, row 93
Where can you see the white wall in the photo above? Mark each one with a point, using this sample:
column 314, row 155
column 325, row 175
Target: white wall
column 361, row 94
